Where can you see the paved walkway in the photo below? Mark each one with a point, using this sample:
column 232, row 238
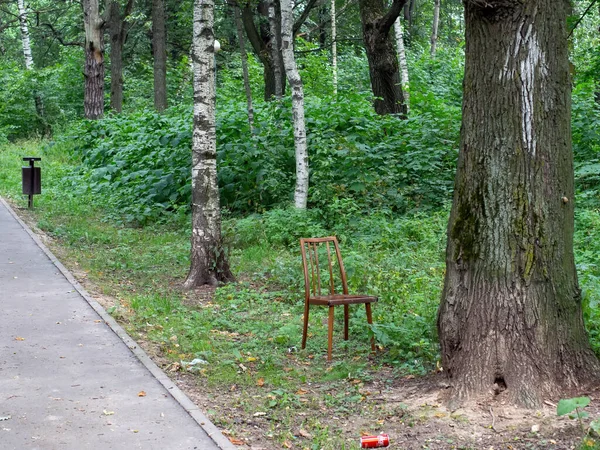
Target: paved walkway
column 70, row 378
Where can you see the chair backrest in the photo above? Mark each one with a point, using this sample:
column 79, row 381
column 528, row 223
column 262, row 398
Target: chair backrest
column 317, row 258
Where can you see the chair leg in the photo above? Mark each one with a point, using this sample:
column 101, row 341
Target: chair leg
column 370, row 321
column 330, row 334
column 305, row 330
column 346, row 316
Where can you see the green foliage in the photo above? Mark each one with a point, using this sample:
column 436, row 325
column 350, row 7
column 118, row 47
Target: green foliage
column 568, row 405
column 137, row 163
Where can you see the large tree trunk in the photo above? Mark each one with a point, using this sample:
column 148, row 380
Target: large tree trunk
column 159, row 53
column 383, row 64
column 208, row 260
column 93, row 101
column 434, row 27
column 244, row 57
column 287, row 47
column 401, row 50
column 510, row 315
column 118, row 28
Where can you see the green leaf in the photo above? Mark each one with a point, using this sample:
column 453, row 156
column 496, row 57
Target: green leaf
column 595, row 425
column 568, row 405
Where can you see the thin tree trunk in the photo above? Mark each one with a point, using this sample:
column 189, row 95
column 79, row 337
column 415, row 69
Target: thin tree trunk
column 510, row 316
column 334, row 48
column 39, row 105
column 118, row 27
column 208, row 260
column 159, row 53
column 383, row 64
column 275, row 47
column 244, row 57
column 434, row 27
column 93, row 102
column 402, row 61
column 25, row 35
column 287, row 47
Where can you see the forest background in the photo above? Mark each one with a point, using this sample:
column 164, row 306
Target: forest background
column 117, row 194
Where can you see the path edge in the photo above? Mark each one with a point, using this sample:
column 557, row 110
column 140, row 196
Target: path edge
column 178, row 395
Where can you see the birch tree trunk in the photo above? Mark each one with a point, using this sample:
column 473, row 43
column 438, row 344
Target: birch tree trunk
column 27, row 56
column 400, row 49
column 287, row 47
column 275, row 47
column 334, row 48
column 25, row 35
column 93, row 101
column 244, row 57
column 208, row 259
column 434, row 27
column 118, row 27
column 510, row 318
column 159, row 53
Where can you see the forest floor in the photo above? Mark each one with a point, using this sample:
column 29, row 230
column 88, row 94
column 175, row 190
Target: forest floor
column 333, row 414
column 410, row 409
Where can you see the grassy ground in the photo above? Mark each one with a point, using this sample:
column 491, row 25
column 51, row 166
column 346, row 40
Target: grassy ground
column 241, row 342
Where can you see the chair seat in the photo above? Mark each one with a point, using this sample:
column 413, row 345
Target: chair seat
column 340, row 299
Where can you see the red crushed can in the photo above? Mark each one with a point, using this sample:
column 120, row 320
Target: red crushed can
column 381, row 440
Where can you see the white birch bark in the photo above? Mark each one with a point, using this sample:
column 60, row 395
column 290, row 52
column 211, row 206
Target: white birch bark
column 402, row 62
column 334, row 48
column 208, row 265
column 25, row 35
column 291, row 71
column 434, row 28
column 275, row 48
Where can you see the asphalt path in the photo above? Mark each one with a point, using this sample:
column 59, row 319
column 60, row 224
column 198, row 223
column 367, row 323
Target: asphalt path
column 70, row 377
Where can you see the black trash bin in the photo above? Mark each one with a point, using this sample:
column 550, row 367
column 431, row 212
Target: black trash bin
column 32, row 179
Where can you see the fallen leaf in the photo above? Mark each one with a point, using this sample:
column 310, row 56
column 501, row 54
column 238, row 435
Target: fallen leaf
column 301, row 392
column 305, row 434
column 259, row 414
column 108, row 413
column 18, row 338
column 260, row 382
column 243, row 367
column 251, row 359
column 235, row 441
column 141, row 394
column 287, row 444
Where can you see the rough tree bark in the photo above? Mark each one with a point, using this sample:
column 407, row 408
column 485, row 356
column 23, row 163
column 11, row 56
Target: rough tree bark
column 244, row 57
column 383, row 64
column 287, row 47
column 434, row 27
column 208, row 259
column 93, row 97
column 118, row 27
column 260, row 39
column 510, row 316
column 159, row 53
column 402, row 61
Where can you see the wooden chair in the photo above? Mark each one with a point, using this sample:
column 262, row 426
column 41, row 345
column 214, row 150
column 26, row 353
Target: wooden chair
column 313, row 255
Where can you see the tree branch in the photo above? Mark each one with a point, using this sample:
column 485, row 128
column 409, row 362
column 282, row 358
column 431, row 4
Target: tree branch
column 309, row 6
column 59, row 38
column 388, row 20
